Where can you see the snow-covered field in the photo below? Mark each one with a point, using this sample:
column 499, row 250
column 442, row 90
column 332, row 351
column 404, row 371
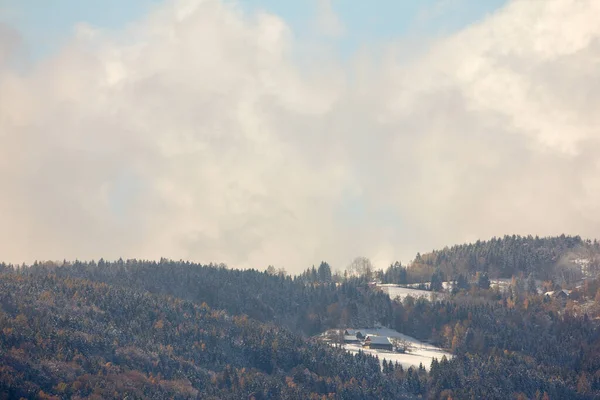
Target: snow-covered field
column 445, row 285
column 501, row 284
column 397, row 291
column 419, row 352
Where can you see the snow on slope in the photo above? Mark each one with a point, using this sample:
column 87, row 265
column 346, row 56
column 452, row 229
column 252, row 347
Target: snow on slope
column 501, row 284
column 397, row 291
column 420, row 352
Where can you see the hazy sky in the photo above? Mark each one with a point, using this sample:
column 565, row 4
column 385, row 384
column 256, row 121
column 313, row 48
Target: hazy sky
column 46, row 24
column 269, row 132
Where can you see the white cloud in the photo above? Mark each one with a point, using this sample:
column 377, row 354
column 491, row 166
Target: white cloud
column 196, row 134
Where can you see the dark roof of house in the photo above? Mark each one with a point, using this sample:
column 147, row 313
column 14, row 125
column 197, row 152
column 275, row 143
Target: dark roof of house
column 378, row 340
column 562, row 292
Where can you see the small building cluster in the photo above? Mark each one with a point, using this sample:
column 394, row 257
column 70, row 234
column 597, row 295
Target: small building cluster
column 558, row 294
column 368, row 341
column 353, row 336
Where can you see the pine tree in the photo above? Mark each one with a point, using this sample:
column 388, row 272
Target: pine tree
column 483, row 282
column 324, row 272
column 531, row 286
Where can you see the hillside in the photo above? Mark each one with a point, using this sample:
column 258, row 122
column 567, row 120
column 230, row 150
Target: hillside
column 559, row 258
column 80, row 339
column 182, row 330
column 283, row 300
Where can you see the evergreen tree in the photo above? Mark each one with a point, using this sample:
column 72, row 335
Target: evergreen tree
column 324, row 272
column 483, row 282
column 531, row 285
column 462, row 283
column 437, row 280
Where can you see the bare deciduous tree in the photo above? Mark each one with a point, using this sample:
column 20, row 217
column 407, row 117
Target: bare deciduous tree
column 401, row 345
column 361, row 266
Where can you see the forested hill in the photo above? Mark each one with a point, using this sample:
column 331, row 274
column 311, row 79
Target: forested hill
column 172, row 329
column 73, row 338
column 279, row 299
column 546, row 258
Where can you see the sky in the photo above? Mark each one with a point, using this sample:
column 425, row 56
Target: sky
column 265, row 132
column 46, row 25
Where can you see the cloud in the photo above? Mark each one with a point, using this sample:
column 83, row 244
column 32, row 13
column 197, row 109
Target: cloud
column 196, row 133
column 327, row 21
column 10, row 41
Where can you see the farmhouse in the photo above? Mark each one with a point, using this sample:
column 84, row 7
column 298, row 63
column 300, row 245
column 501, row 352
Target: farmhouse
column 378, row 342
column 558, row 294
column 350, row 339
column 353, row 335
